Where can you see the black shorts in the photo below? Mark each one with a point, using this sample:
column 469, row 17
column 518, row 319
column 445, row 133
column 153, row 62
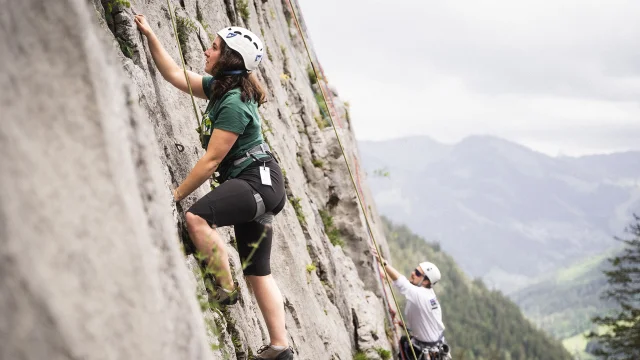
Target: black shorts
column 233, row 203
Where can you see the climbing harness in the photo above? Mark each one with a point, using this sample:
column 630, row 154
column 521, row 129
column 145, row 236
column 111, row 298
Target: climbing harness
column 325, row 97
column 427, row 350
column 261, row 149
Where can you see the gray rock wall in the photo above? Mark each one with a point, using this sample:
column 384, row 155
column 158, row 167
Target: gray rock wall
column 94, row 139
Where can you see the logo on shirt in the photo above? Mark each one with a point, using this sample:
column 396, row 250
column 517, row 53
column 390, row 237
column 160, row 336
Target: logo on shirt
column 434, row 304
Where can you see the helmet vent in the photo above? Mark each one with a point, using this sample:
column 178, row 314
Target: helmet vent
column 238, row 32
column 256, row 45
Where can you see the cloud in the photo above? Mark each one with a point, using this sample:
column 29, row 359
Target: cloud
column 530, row 70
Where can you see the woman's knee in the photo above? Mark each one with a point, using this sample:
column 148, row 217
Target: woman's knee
column 193, row 221
column 195, row 224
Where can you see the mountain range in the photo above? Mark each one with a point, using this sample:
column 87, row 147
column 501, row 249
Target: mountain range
column 506, row 213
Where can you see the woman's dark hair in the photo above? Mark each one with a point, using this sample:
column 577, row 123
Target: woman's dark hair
column 250, row 88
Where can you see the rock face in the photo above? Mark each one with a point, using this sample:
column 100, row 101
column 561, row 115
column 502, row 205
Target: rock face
column 94, row 139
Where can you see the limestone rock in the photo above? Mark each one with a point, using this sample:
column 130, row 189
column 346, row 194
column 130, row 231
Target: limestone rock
column 94, row 140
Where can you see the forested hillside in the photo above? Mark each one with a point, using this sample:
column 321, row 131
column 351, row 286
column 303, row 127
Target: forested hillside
column 481, row 324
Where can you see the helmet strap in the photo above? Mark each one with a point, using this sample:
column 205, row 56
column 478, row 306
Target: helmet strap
column 234, row 72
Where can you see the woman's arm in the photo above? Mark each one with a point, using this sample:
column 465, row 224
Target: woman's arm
column 168, row 68
column 219, row 145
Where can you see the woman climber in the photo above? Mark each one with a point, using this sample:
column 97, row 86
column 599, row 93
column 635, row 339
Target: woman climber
column 252, row 186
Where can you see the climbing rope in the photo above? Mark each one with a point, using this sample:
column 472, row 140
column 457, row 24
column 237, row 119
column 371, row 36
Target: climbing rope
column 366, row 218
column 184, row 67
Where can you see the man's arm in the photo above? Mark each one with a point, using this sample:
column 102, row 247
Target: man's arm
column 391, row 271
column 401, row 282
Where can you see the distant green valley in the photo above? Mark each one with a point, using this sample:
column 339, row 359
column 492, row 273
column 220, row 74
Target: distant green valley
column 564, row 302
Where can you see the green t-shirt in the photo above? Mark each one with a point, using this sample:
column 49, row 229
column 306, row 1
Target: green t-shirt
column 230, row 113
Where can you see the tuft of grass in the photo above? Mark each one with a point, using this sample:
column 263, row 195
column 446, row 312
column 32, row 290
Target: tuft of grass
column 322, row 122
column 360, row 356
column 269, row 54
column 184, row 27
column 322, row 104
column 112, row 3
column 311, row 268
column 295, row 202
column 285, row 60
column 332, row 232
column 126, row 47
column 383, row 353
column 243, row 9
column 312, row 75
column 317, row 163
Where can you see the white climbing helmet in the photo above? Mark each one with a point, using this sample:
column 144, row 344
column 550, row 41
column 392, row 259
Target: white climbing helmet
column 246, row 43
column 431, row 271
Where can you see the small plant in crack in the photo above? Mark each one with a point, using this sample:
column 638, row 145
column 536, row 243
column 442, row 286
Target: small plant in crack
column 360, row 356
column 318, row 163
column 269, row 55
column 322, row 122
column 126, row 47
column 243, row 9
column 184, row 26
column 111, row 9
column 110, row 4
column 322, row 105
column 330, row 229
column 311, row 268
column 295, row 202
column 383, row 353
column 313, row 79
column 203, row 22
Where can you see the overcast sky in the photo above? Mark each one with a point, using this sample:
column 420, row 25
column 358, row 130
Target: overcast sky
column 560, row 76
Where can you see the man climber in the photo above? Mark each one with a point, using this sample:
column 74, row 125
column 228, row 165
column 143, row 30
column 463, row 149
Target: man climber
column 423, row 314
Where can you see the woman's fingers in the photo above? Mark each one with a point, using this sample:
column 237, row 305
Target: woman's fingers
column 142, row 23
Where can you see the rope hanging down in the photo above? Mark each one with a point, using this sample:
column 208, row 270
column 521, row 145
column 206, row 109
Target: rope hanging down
column 184, row 67
column 324, row 96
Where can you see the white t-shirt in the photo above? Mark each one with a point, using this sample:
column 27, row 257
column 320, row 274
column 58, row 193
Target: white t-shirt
column 423, row 314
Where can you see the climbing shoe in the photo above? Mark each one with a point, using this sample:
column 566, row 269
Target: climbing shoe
column 270, row 352
column 226, row 297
